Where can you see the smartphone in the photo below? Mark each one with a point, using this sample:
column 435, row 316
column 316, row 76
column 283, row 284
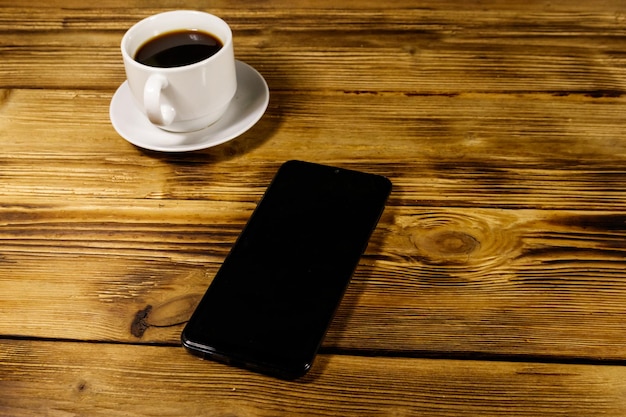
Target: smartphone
column 273, row 298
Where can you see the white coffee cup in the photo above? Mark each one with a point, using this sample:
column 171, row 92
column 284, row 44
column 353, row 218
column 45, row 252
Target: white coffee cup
column 184, row 98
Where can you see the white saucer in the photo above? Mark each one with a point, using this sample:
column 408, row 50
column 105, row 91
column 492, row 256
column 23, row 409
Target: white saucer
column 247, row 107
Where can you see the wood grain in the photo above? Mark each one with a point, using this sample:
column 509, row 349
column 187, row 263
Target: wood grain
column 435, row 50
column 433, row 281
column 498, row 151
column 494, row 283
column 105, row 380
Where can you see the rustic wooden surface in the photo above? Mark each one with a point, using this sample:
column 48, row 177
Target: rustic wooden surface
column 496, row 280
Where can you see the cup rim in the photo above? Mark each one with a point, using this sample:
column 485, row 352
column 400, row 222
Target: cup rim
column 127, row 35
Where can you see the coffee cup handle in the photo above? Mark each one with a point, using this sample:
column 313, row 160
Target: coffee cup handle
column 159, row 113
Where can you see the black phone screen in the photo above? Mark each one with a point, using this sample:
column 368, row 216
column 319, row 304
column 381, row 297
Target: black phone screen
column 273, row 298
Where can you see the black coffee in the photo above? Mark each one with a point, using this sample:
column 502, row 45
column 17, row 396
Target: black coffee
column 178, row 48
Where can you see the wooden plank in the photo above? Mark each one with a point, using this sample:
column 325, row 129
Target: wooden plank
column 436, row 50
column 39, row 378
column 250, row 5
column 525, row 283
column 533, row 151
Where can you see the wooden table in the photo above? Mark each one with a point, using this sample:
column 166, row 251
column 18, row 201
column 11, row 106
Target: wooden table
column 495, row 283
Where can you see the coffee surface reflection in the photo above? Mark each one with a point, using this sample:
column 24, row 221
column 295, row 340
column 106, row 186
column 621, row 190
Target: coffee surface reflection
column 178, row 48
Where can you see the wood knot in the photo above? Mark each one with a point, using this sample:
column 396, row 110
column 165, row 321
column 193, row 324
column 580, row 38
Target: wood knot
column 446, row 246
column 140, row 324
column 466, row 244
column 170, row 313
column 454, row 243
column 81, row 386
